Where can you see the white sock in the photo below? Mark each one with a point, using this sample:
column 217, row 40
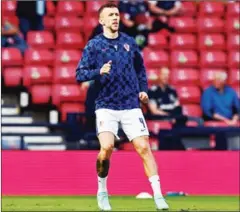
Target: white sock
column 155, row 183
column 102, row 184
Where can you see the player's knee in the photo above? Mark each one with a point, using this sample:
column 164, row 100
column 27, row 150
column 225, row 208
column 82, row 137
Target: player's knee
column 106, row 149
column 144, row 149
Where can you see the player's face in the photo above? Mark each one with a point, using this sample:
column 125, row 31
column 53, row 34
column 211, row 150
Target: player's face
column 110, row 18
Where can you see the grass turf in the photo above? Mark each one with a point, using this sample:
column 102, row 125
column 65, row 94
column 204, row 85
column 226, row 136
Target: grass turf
column 126, row 203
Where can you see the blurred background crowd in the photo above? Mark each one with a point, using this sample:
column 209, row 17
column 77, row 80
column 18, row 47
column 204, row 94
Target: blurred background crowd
column 191, row 54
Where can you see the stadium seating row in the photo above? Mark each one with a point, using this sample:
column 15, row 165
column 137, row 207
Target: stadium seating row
column 182, row 41
column 181, row 24
column 153, row 59
column 211, row 8
column 65, row 74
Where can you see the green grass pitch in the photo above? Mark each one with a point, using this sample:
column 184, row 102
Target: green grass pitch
column 125, row 203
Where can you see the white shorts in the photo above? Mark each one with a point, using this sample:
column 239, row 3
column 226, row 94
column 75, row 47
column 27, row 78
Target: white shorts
column 132, row 122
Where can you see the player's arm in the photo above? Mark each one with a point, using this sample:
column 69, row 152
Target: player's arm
column 86, row 69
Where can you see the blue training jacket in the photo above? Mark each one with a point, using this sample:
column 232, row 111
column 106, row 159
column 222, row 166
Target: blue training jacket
column 118, row 90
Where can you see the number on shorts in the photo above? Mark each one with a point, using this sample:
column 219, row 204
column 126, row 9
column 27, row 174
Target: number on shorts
column 142, row 121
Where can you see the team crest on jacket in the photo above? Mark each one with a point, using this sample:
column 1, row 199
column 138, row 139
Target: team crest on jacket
column 127, row 47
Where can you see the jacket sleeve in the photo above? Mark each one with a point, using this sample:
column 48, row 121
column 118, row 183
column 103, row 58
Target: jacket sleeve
column 86, row 70
column 140, row 69
column 206, row 103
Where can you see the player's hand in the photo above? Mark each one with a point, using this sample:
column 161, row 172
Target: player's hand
column 106, row 68
column 143, row 97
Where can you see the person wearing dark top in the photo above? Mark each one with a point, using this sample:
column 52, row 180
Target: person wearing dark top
column 165, row 8
column 30, row 14
column 10, row 37
column 163, row 101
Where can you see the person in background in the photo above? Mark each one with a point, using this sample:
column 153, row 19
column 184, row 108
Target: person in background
column 10, row 37
column 220, row 102
column 30, row 14
column 163, row 101
column 162, row 10
column 165, row 8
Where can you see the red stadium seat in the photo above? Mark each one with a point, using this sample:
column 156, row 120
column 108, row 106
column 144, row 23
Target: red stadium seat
column 233, row 41
column 92, row 7
column 188, row 94
column 233, row 9
column 69, row 24
column 49, row 23
column 189, row 8
column 40, row 57
column 152, row 76
column 157, row 41
column 67, row 57
column 69, row 40
column 211, row 8
column 41, row 94
column 233, row 25
column 64, row 74
column 184, row 59
column 50, row 8
column 211, row 42
column 213, row 59
column 11, row 18
column 184, row 77
column 11, row 57
column 183, row 41
column 68, row 93
column 155, row 59
column 183, row 24
column 36, row 75
column 192, row 110
column 72, row 8
column 8, row 7
column 66, row 108
column 12, row 76
column 40, row 39
column 156, row 126
column 90, row 22
column 234, row 59
column 234, row 77
column 210, row 25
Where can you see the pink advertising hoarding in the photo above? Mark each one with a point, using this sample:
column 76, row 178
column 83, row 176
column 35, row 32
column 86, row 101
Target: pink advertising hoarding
column 73, row 173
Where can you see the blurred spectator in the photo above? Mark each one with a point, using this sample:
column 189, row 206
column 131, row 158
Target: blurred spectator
column 163, row 101
column 136, row 21
column 30, row 14
column 165, row 8
column 10, row 37
column 161, row 10
column 220, row 102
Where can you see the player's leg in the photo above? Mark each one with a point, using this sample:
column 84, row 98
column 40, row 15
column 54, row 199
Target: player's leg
column 141, row 144
column 107, row 127
column 106, row 140
column 134, row 125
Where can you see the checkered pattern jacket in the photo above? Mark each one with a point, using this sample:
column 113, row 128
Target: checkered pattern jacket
column 118, row 90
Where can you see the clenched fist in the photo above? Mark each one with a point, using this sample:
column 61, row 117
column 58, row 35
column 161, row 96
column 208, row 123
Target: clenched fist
column 106, row 68
column 143, row 97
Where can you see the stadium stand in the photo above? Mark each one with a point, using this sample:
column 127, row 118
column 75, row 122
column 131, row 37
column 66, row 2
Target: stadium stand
column 207, row 39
